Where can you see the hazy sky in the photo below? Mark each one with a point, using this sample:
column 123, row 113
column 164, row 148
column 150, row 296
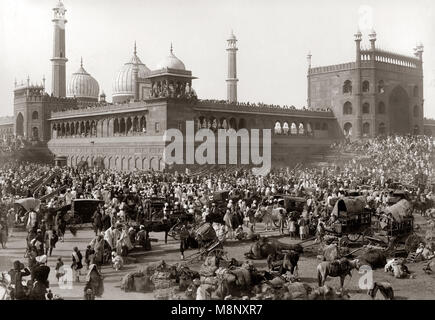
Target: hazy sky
column 274, row 38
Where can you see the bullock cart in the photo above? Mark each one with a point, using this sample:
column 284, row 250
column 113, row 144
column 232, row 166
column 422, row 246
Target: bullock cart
column 394, row 226
column 209, row 243
column 352, row 220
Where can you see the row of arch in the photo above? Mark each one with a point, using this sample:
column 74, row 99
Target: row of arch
column 223, row 123
column 120, row 126
column 305, row 129
column 347, row 87
column 279, row 127
column 123, row 163
column 381, row 109
column 381, row 130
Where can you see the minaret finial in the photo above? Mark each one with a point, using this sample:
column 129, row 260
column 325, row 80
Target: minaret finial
column 135, row 47
column 171, row 47
column 81, row 62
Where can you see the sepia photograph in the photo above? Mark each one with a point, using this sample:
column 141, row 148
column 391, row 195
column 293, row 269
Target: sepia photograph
column 217, row 150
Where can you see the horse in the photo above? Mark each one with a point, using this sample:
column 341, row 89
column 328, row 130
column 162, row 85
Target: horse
column 158, row 226
column 5, row 286
column 338, row 268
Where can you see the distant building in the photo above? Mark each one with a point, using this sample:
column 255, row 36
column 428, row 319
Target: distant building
column 380, row 93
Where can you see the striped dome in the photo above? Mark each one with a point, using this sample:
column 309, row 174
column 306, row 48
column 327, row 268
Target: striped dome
column 123, row 86
column 83, row 85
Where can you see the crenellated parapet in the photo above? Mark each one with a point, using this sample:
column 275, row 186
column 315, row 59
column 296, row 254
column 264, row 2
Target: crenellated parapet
column 98, row 109
column 391, row 58
column 332, row 68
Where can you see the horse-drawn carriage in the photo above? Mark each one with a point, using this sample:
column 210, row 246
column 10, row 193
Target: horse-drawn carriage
column 79, row 212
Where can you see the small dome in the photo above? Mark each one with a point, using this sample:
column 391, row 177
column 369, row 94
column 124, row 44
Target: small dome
column 171, row 62
column 83, row 85
column 123, row 85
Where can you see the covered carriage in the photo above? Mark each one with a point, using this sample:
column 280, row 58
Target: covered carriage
column 79, row 212
column 394, row 225
column 352, row 218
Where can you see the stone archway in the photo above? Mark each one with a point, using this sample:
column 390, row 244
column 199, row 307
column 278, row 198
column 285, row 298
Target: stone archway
column 398, row 110
column 19, row 127
column 347, row 128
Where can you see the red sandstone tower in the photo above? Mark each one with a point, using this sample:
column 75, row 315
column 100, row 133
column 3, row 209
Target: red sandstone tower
column 58, row 61
column 232, row 69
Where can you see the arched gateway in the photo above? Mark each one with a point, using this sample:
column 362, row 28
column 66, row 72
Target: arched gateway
column 398, row 110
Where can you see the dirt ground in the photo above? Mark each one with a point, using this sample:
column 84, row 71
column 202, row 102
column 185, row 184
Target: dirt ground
column 420, row 286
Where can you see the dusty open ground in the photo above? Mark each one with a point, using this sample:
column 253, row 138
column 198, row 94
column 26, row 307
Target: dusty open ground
column 422, row 286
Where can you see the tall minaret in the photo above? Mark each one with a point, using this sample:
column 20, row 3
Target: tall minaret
column 58, row 61
column 232, row 69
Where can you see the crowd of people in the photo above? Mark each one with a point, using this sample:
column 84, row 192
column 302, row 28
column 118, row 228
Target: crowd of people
column 264, row 105
column 119, row 222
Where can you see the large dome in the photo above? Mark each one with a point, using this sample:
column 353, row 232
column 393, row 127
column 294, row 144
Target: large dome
column 83, row 85
column 123, row 85
column 171, row 62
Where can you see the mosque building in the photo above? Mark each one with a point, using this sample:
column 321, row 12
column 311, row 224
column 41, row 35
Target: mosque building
column 78, row 125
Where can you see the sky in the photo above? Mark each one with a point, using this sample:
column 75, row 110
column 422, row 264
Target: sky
column 274, row 37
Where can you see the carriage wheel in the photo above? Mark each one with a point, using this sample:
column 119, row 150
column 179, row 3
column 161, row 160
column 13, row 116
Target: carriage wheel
column 343, row 241
column 393, row 242
column 174, row 231
column 353, row 237
column 75, row 221
column 218, row 252
column 367, row 232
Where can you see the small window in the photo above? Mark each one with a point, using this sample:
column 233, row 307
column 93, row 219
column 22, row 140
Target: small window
column 381, row 86
column 366, row 108
column 35, row 115
column 277, row 128
column 366, row 129
column 366, row 86
column 347, row 86
column 415, row 91
column 324, row 126
column 157, row 127
column 347, row 108
column 317, row 126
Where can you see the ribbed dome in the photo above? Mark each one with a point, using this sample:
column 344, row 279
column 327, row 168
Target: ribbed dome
column 83, row 85
column 172, row 62
column 123, row 85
